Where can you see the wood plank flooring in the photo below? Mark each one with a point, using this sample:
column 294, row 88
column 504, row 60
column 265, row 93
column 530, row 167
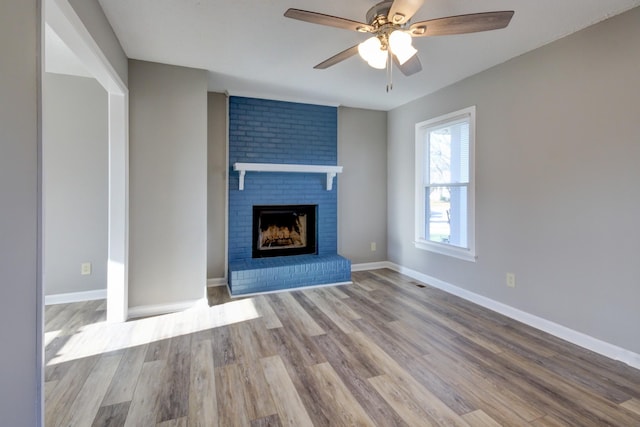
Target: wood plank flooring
column 384, row 351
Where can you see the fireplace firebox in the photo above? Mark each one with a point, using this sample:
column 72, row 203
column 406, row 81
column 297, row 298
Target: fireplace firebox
column 283, row 230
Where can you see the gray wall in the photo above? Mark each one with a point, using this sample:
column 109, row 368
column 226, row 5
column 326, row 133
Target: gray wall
column 557, row 182
column 362, row 187
column 20, row 307
column 216, row 184
column 168, row 183
column 75, row 183
column 93, row 18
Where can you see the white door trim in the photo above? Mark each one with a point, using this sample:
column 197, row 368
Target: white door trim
column 64, row 21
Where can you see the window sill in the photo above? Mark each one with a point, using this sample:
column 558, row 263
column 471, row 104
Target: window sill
column 443, row 249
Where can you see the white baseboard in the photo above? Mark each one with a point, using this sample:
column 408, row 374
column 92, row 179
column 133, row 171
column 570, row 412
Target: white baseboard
column 218, row 281
column 371, row 266
column 583, row 340
column 75, row 297
column 158, row 309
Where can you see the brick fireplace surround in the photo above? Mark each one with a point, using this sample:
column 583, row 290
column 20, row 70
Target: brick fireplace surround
column 266, row 131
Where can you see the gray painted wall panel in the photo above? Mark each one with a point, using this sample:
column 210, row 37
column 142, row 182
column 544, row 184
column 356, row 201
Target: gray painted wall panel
column 168, row 183
column 19, row 301
column 557, row 181
column 216, row 184
column 362, row 187
column 75, row 183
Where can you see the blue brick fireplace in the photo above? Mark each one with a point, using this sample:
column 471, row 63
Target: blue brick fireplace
column 276, row 132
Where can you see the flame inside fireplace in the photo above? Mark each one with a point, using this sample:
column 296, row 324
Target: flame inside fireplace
column 291, row 235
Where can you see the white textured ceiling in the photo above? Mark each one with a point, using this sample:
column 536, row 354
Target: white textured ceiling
column 250, row 48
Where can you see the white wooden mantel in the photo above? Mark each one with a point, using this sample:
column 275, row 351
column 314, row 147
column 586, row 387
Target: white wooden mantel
column 243, row 168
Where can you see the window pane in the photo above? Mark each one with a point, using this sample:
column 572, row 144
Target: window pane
column 438, row 208
column 449, row 153
column 446, row 215
column 439, row 156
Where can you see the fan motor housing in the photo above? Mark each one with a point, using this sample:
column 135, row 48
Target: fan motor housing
column 377, row 15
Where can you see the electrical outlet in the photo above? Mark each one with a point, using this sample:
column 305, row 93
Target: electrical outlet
column 511, row 280
column 373, row 246
column 85, row 268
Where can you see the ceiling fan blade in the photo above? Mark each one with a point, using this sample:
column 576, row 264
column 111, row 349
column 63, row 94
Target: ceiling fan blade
column 462, row 24
column 345, row 54
column 331, row 21
column 402, row 10
column 412, row 66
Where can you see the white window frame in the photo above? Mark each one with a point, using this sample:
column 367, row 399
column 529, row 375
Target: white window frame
column 421, row 130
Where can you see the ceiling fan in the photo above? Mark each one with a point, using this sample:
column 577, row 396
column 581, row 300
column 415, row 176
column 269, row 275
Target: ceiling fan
column 388, row 22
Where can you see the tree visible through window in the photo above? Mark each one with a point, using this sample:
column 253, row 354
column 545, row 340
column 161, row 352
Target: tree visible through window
column 444, row 184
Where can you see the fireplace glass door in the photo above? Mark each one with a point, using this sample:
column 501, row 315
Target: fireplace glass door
column 280, row 230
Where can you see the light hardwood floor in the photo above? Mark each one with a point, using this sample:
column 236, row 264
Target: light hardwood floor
column 384, row 351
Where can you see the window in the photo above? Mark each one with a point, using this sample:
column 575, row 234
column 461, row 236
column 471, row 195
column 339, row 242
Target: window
column 445, row 214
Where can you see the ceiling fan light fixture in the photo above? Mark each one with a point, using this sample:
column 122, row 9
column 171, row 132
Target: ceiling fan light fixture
column 367, row 49
column 379, row 61
column 371, row 51
column 405, row 54
column 400, row 44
